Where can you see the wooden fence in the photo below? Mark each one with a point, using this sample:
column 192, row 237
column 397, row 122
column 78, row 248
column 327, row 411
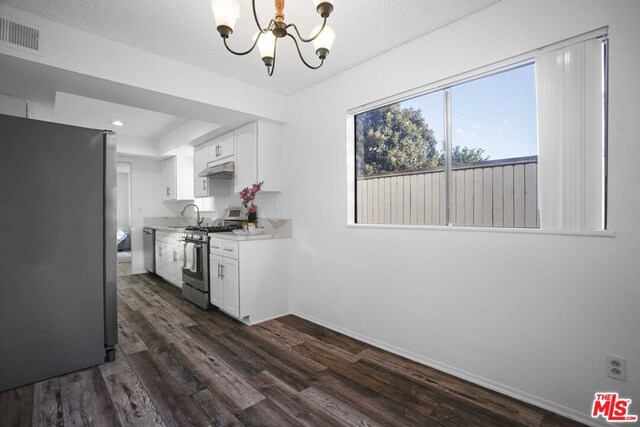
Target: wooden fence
column 500, row 193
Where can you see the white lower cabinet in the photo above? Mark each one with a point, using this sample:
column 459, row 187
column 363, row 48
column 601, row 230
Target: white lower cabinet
column 216, row 283
column 231, row 293
column 169, row 257
column 160, row 253
column 250, row 279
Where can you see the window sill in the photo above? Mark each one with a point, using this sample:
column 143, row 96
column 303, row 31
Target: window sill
column 598, row 233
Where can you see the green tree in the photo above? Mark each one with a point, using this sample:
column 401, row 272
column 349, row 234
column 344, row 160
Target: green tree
column 464, row 156
column 393, row 138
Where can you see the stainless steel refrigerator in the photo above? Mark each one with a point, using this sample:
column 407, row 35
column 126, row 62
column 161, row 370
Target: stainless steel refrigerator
column 57, row 251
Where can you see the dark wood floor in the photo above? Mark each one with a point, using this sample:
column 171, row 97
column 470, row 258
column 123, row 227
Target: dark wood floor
column 179, row 366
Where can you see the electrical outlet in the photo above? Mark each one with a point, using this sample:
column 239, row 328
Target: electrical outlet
column 616, row 367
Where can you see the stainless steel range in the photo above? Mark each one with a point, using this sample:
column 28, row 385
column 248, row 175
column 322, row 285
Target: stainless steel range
column 195, row 270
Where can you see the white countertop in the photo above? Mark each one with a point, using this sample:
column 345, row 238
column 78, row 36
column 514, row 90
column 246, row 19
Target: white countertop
column 229, row 235
column 273, row 229
column 240, row 238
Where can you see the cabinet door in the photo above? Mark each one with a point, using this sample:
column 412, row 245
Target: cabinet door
column 221, row 149
column 159, row 259
column 246, row 157
column 184, row 184
column 269, row 156
column 176, row 264
column 169, row 179
column 231, row 288
column 166, row 261
column 200, row 160
column 216, row 282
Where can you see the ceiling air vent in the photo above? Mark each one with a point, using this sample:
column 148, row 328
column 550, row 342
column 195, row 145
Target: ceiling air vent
column 19, row 35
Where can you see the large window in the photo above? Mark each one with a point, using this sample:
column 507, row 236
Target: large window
column 472, row 153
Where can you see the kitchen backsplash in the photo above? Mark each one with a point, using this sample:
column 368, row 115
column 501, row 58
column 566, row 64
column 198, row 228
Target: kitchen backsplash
column 269, row 205
column 167, row 221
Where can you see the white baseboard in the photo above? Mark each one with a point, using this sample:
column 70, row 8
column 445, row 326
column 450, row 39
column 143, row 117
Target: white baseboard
column 257, row 322
column 481, row 381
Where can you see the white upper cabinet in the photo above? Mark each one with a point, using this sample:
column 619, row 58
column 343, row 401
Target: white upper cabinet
column 270, row 156
column 169, row 181
column 200, row 160
column 256, row 151
column 258, row 156
column 246, row 157
column 177, row 176
column 222, row 149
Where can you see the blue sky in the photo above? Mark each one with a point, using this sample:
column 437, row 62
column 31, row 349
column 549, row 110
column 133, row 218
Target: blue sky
column 497, row 113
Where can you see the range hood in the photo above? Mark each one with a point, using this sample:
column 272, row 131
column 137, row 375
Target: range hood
column 223, row 171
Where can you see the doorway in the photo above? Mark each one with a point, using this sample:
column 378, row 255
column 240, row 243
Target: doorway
column 124, row 219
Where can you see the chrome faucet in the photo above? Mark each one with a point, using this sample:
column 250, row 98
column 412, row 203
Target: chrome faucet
column 198, row 220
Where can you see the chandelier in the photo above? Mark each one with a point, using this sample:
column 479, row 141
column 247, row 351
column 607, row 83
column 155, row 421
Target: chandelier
column 227, row 12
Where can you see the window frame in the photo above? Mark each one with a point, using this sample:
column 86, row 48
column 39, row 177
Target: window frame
column 445, row 85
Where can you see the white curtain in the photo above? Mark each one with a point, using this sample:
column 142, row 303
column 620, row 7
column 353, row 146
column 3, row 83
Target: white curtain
column 570, row 137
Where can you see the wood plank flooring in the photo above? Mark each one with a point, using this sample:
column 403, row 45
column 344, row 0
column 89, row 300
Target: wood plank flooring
column 177, row 365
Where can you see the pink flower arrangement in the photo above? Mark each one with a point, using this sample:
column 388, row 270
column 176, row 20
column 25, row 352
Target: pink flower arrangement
column 248, row 194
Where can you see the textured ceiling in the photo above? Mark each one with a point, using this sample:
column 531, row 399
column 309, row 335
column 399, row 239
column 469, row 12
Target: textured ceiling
column 184, row 30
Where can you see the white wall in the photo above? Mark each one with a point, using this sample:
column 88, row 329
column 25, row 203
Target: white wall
column 39, row 109
column 146, row 196
column 529, row 314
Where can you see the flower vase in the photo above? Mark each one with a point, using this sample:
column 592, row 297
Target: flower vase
column 252, row 221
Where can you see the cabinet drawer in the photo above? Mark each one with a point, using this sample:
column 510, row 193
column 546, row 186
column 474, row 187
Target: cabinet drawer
column 230, row 249
column 215, row 246
column 168, row 237
column 174, row 238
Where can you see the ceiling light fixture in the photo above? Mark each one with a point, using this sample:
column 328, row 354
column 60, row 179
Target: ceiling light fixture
column 227, row 12
column 117, row 123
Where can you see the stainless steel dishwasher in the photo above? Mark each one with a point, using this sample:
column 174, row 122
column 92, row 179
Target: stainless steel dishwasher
column 149, row 246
